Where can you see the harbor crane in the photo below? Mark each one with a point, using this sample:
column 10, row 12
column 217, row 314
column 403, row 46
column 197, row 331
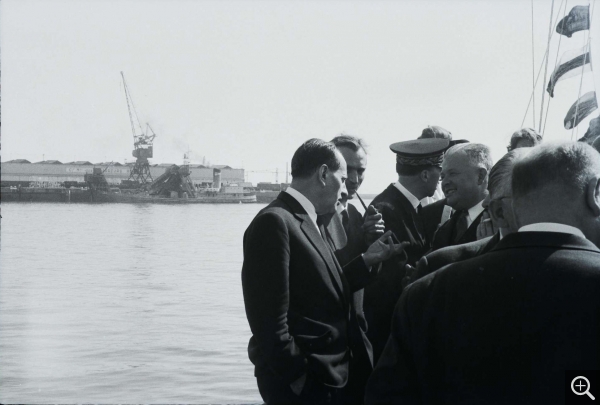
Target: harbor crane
column 142, row 143
column 276, row 171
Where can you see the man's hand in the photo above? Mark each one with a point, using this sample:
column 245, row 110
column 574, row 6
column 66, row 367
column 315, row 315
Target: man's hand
column 298, row 385
column 373, row 226
column 486, row 227
column 409, row 276
column 413, row 274
column 382, row 249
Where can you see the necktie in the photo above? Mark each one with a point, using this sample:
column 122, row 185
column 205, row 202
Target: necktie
column 419, row 208
column 462, row 224
column 345, row 220
column 321, row 223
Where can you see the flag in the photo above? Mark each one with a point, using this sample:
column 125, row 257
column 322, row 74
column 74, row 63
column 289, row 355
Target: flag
column 584, row 106
column 568, row 66
column 578, row 19
column 593, row 131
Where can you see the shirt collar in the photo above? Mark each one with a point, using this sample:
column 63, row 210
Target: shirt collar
column 414, row 201
column 475, row 210
column 552, row 227
column 305, row 203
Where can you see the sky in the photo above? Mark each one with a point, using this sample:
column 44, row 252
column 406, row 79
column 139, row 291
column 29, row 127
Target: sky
column 244, row 83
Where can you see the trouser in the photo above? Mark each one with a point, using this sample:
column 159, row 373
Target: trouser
column 274, row 391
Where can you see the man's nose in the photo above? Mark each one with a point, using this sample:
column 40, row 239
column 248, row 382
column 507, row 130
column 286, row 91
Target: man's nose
column 486, row 201
column 352, row 177
column 343, row 189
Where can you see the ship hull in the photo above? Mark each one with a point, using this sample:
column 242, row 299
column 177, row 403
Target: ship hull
column 84, row 196
column 137, row 198
column 266, row 196
column 31, row 194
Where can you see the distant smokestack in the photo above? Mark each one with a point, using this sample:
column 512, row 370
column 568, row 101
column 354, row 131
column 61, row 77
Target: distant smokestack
column 217, row 178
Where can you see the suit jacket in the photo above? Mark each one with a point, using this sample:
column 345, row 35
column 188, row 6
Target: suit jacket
column 349, row 242
column 381, row 296
column 443, row 236
column 351, row 237
column 298, row 298
column 452, row 254
column 431, row 216
column 500, row 328
column 400, row 217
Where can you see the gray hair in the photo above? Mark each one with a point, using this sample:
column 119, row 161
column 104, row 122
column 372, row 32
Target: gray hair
column 568, row 165
column 524, row 134
column 433, row 131
column 501, row 174
column 349, row 141
column 596, row 144
column 479, row 155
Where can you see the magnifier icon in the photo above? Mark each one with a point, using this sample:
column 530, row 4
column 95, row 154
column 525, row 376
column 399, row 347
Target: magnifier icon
column 580, row 388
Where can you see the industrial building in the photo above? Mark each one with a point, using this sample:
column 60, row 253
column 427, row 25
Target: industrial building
column 52, row 173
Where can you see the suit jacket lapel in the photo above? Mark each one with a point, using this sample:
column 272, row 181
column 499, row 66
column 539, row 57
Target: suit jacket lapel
column 337, row 231
column 417, row 229
column 471, row 232
column 314, row 236
column 443, row 235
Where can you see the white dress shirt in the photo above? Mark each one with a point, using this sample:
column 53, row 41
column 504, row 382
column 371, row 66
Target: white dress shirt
column 305, row 203
column 474, row 212
column 414, row 201
column 552, row 227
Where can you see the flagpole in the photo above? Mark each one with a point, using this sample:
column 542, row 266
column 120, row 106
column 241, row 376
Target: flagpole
column 546, row 55
column 575, row 123
column 533, row 64
column 555, row 60
column 546, row 70
column 535, row 85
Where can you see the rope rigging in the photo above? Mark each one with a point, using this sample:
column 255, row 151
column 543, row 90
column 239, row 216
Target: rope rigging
column 546, row 70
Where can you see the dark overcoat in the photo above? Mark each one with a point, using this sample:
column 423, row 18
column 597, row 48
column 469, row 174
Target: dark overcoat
column 500, row 328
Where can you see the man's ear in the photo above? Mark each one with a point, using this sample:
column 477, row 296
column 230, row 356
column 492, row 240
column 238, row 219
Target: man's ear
column 496, row 210
column 322, row 174
column 424, row 175
column 481, row 175
column 592, row 195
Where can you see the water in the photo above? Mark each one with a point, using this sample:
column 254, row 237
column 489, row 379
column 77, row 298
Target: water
column 123, row 303
column 117, row 303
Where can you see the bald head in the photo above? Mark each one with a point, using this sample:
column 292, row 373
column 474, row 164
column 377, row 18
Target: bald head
column 559, row 183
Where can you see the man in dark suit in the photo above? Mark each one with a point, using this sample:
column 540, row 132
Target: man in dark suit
column 349, row 234
column 418, row 166
column 464, row 182
column 500, row 221
column 298, row 299
column 504, row 327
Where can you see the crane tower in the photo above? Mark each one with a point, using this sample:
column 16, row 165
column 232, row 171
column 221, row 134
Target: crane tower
column 142, row 143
